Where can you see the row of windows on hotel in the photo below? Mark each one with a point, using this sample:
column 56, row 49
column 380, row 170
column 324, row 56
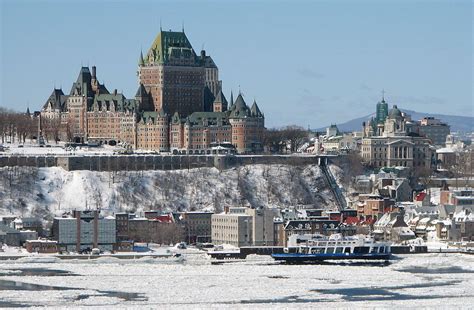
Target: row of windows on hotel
column 170, row 77
column 193, row 82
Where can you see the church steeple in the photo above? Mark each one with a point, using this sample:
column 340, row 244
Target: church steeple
column 381, row 110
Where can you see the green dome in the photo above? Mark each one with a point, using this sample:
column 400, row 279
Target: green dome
column 395, row 112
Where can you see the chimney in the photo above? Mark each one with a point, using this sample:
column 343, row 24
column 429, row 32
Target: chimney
column 93, row 73
column 203, row 54
column 115, row 91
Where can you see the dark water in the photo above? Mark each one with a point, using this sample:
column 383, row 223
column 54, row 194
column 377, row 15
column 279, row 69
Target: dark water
column 121, row 295
column 442, row 270
column 376, row 293
column 9, row 285
column 43, row 272
column 371, row 293
column 9, row 304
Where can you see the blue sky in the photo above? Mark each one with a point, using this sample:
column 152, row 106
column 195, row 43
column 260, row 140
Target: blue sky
column 305, row 62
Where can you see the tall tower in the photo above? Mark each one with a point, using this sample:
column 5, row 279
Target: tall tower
column 382, row 110
column 173, row 74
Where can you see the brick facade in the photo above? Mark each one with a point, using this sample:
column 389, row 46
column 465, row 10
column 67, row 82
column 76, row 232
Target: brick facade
column 179, row 106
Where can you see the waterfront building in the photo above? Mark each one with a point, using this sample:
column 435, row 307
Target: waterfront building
column 14, row 237
column 41, row 246
column 244, row 226
column 392, row 226
column 28, row 223
column 234, row 229
column 151, row 226
column 197, row 226
column 84, row 230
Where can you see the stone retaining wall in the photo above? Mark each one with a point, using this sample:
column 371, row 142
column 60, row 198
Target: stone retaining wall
column 152, row 162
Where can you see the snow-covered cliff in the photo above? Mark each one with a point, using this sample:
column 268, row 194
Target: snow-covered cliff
column 48, row 191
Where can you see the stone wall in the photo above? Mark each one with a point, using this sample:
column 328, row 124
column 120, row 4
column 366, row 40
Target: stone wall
column 152, row 162
column 28, row 161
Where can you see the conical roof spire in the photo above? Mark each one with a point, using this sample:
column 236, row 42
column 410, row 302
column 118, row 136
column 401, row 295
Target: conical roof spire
column 141, row 92
column 141, row 61
column 220, row 98
column 255, row 110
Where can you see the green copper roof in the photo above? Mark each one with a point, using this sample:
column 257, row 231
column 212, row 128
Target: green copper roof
column 167, row 45
column 394, row 112
column 176, row 119
column 119, row 101
column 151, row 116
column 209, row 118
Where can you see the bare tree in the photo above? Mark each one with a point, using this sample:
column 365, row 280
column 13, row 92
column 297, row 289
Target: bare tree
column 273, row 140
column 51, row 128
column 296, row 136
column 276, row 140
column 353, row 167
column 462, row 167
column 15, row 126
column 423, row 174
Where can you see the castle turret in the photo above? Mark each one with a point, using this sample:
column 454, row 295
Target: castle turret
column 220, row 103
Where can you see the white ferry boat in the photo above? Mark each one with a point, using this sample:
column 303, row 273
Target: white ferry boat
column 312, row 248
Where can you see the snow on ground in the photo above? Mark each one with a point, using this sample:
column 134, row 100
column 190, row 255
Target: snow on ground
column 57, row 149
column 411, row 281
column 47, row 191
column 435, row 195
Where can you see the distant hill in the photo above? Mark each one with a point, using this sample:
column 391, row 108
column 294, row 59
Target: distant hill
column 457, row 123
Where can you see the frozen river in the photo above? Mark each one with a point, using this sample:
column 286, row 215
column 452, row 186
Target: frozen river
column 427, row 280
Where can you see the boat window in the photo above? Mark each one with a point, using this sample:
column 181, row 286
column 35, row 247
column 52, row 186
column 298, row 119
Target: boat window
column 347, row 250
column 373, row 249
column 339, row 250
column 361, row 250
column 382, row 249
column 329, row 250
column 317, row 251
